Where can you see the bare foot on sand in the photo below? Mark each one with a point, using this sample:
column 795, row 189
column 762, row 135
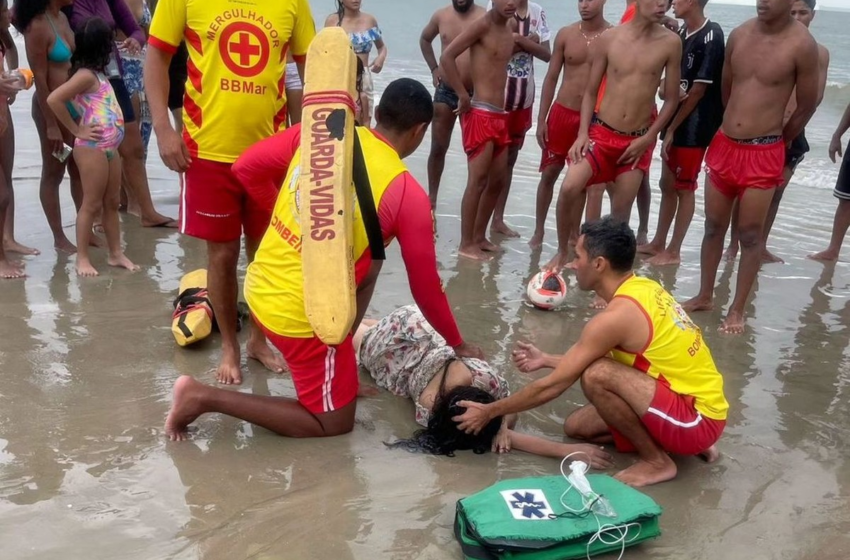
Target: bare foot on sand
column 503, row 229
column 650, row 248
column 769, row 258
column 157, row 220
column 229, row 371
column 731, row 253
column 474, row 252
column 121, row 261
column 536, row 241
column 65, row 246
column 698, row 303
column 641, row 238
column 557, row 263
column 664, row 258
column 598, row 303
column 489, row 246
column 10, row 271
column 644, row 473
column 825, row 256
column 733, row 324
column 710, row 455
column 85, row 268
column 185, row 408
column 264, row 354
column 13, row 246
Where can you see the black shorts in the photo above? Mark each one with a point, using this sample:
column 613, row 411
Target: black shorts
column 842, row 186
column 796, row 152
column 177, row 75
column 124, row 100
column 447, row 96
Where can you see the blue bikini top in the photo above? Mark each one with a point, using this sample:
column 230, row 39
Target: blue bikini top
column 60, row 51
column 362, row 41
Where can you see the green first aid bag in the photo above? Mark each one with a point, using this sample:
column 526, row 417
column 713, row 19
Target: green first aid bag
column 511, row 519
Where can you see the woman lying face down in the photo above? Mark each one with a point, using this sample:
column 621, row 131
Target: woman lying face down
column 405, row 356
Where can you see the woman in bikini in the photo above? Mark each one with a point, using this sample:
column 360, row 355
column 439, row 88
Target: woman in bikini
column 407, row 357
column 364, row 32
column 49, row 44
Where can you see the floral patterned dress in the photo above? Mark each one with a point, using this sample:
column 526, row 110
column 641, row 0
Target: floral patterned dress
column 403, row 353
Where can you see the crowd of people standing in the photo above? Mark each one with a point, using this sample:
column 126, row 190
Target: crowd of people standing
column 108, row 73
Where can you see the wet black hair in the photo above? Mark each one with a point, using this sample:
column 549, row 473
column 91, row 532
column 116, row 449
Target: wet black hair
column 611, row 239
column 94, row 46
column 27, row 10
column 702, row 3
column 811, row 4
column 405, row 104
column 442, row 436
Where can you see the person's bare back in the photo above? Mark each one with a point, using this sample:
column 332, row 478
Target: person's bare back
column 450, row 23
column 576, row 57
column 763, row 72
column 636, row 60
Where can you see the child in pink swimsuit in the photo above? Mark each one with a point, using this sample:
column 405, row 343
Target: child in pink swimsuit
column 98, row 135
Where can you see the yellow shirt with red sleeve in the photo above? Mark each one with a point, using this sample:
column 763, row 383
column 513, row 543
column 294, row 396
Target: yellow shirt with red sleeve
column 676, row 350
column 274, row 284
column 237, row 66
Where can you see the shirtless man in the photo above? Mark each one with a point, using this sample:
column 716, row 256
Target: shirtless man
column 804, row 12
column 695, row 124
column 448, row 23
column 519, row 94
column 616, row 143
column 491, row 41
column 651, row 382
column 766, row 58
column 558, row 123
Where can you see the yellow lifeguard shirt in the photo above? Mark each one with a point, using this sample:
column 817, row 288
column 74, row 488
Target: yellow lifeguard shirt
column 274, row 284
column 676, row 350
column 237, row 67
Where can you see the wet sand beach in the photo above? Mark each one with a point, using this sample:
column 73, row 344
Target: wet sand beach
column 88, row 365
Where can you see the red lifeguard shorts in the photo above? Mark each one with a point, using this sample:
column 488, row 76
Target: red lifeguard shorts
column 215, row 207
column 685, row 163
column 734, row 167
column 519, row 122
column 325, row 377
column 675, row 424
column 479, row 127
column 607, row 146
column 563, row 125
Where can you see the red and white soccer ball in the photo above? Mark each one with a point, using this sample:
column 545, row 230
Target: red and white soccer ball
column 546, row 290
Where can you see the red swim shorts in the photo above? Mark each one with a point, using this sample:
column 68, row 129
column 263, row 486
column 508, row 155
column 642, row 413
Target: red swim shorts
column 215, row 207
column 607, row 146
column 675, row 424
column 685, row 163
column 325, row 377
column 519, row 122
column 563, row 125
column 734, row 167
column 479, row 127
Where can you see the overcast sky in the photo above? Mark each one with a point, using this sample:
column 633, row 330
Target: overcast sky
column 842, row 4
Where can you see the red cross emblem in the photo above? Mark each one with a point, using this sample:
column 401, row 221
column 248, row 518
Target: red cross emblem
column 244, row 49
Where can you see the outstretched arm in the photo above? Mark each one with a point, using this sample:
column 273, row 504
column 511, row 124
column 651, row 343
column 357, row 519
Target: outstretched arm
column 602, row 333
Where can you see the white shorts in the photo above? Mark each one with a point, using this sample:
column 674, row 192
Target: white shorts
column 293, row 80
